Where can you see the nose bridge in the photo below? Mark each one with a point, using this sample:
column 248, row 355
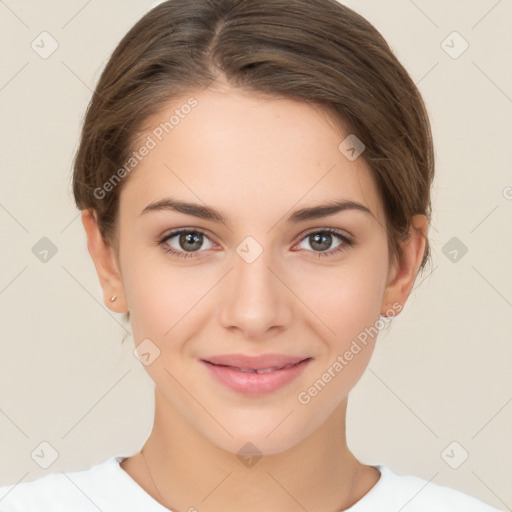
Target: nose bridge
column 256, row 300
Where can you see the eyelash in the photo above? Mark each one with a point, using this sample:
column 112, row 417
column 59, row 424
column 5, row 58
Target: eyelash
column 317, row 254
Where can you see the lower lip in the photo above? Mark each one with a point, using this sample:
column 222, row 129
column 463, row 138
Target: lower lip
column 256, row 383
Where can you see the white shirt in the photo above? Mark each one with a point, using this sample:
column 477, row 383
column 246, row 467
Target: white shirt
column 106, row 487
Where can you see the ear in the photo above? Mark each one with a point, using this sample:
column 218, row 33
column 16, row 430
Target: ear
column 107, row 268
column 403, row 274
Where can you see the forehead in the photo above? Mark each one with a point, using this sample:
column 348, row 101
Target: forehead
column 244, row 153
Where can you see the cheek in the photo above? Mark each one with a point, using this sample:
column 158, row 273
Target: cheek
column 159, row 296
column 345, row 299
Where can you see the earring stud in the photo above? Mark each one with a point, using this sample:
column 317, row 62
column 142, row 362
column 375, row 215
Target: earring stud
column 113, row 298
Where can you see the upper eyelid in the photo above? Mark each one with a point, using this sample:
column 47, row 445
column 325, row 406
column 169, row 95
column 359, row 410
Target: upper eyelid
column 335, row 231
column 178, row 231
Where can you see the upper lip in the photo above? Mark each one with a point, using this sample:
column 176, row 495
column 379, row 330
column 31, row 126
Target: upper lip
column 260, row 362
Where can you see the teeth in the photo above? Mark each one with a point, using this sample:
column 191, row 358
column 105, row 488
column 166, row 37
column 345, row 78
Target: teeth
column 265, row 370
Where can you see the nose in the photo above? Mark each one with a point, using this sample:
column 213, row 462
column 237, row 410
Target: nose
column 255, row 300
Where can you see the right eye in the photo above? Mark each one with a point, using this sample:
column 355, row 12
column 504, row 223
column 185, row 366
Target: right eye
column 188, row 241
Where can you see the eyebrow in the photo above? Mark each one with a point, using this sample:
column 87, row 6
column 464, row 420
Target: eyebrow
column 208, row 213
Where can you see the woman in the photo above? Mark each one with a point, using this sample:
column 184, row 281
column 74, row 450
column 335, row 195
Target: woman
column 254, row 180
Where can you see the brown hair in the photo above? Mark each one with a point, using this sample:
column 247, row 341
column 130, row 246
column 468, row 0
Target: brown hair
column 315, row 51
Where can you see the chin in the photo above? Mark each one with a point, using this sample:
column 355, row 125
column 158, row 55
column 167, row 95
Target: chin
column 260, row 437
column 256, row 445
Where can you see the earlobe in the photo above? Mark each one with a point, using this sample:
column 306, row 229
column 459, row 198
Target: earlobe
column 403, row 273
column 105, row 262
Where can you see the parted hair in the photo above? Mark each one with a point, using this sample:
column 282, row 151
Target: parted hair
column 318, row 52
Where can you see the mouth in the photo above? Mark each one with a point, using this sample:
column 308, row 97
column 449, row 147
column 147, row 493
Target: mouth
column 255, row 375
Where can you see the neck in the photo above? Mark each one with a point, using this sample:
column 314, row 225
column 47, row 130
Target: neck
column 189, row 472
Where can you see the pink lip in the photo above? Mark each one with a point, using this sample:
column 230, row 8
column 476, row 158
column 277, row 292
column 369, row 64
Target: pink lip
column 281, row 370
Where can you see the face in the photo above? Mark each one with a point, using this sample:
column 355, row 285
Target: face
column 258, row 287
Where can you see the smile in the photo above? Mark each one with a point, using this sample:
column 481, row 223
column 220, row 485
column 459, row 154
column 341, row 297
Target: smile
column 262, row 379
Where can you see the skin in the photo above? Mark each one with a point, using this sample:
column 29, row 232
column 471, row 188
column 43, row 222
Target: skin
column 256, row 160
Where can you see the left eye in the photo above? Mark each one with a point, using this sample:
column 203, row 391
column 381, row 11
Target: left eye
column 321, row 242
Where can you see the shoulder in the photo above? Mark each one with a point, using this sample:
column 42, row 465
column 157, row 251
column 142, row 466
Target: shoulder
column 78, row 491
column 411, row 493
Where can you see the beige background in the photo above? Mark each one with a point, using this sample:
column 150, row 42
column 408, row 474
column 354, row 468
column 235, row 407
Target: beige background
column 440, row 374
